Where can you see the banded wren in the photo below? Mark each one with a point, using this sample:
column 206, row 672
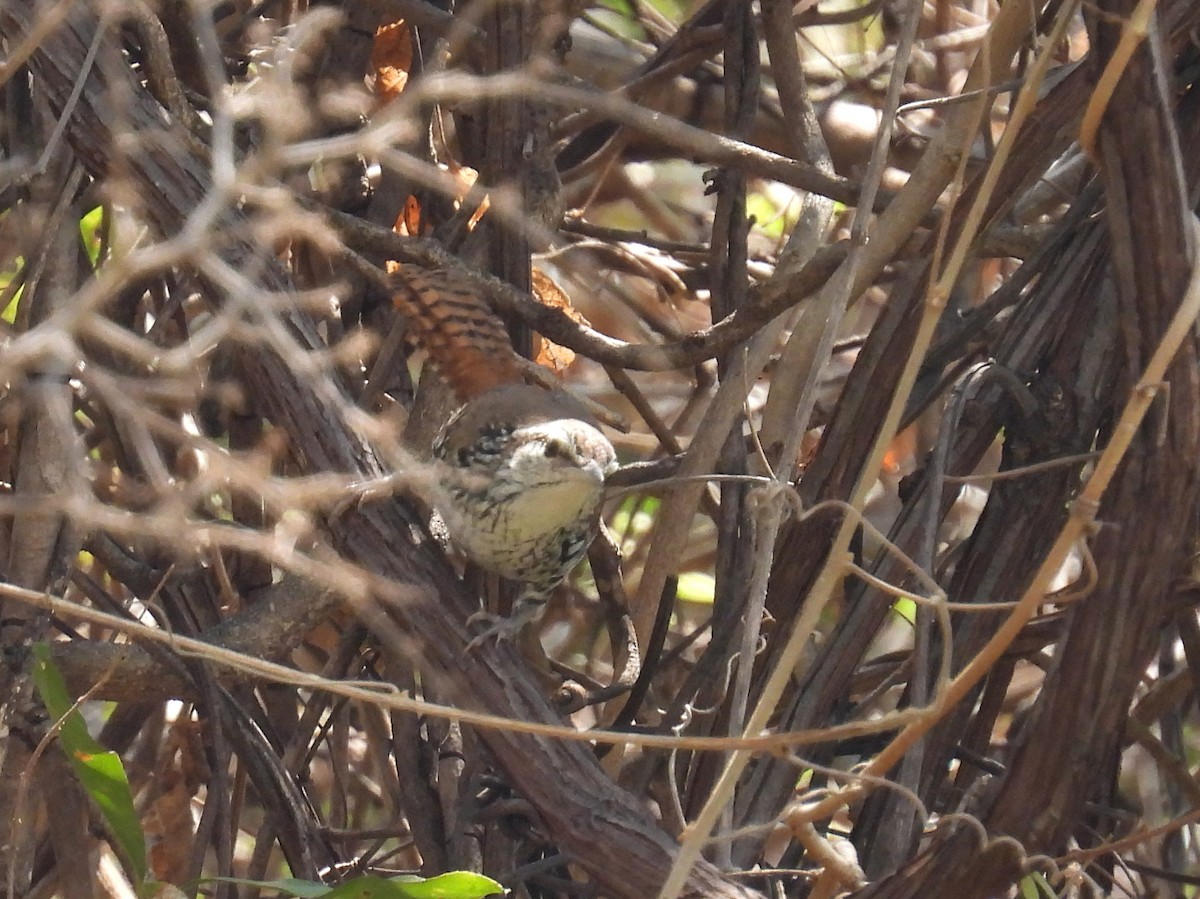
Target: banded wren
column 522, row 469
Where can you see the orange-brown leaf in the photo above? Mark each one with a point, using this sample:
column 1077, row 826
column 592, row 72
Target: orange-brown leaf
column 409, row 222
column 391, row 59
column 464, row 178
column 168, row 825
column 554, row 356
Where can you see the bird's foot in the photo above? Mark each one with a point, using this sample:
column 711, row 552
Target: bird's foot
column 362, row 492
column 498, row 627
column 501, row 627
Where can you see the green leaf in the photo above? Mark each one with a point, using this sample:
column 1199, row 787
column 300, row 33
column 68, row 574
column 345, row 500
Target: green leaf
column 100, row 771
column 771, row 220
column 621, row 7
column 906, row 609
column 6, row 278
column 696, row 586
column 368, row 888
column 635, row 516
column 89, row 231
column 454, row 885
column 289, row 886
column 1035, row 886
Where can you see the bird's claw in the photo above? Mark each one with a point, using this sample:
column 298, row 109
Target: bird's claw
column 362, row 492
column 498, row 627
column 506, row 627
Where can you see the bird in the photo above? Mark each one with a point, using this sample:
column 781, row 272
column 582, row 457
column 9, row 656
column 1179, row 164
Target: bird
column 521, row 469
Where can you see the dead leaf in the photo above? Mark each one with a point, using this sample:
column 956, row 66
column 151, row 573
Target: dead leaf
column 554, row 356
column 391, row 59
column 409, row 223
column 167, row 822
column 169, row 829
column 464, row 178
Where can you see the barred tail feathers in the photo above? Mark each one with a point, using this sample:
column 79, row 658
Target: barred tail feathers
column 464, row 338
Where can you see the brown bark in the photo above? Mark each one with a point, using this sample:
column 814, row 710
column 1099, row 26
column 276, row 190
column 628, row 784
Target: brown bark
column 421, row 604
